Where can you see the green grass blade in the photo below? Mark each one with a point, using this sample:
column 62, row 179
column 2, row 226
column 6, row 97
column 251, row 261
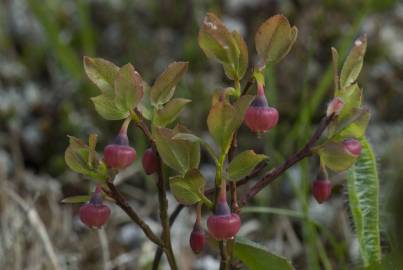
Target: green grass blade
column 363, row 193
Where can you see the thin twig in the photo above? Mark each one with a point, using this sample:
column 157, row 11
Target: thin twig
column 172, row 218
column 295, row 158
column 166, row 229
column 124, row 205
column 163, row 206
column 274, row 172
column 224, row 262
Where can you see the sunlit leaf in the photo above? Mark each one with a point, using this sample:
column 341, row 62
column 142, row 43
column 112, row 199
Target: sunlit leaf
column 221, row 124
column 274, row 39
column 352, row 98
column 228, row 48
column 77, row 157
column 101, row 72
column 164, row 87
column 128, row 88
column 356, row 125
column 170, row 111
column 353, row 64
column 105, row 106
column 334, row 156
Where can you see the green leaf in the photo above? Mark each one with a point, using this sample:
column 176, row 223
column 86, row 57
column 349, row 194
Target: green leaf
column 216, row 41
column 187, row 137
column 77, row 157
column 236, row 68
column 334, row 156
column 101, row 72
column 193, row 148
column 224, row 119
column 76, row 199
column 170, row 112
column 105, row 106
column 128, row 88
column 193, row 138
column 352, row 98
column 145, row 107
column 256, row 257
column 353, row 64
column 220, row 44
column 188, row 189
column 164, row 87
column 241, row 105
column 244, row 163
column 274, row 39
column 363, row 193
column 221, row 124
column 243, row 59
column 180, row 155
column 356, row 125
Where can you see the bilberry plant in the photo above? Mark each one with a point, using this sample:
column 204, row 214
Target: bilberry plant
column 337, row 143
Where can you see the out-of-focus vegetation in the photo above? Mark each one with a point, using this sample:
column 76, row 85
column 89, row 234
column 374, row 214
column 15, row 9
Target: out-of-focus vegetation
column 44, row 96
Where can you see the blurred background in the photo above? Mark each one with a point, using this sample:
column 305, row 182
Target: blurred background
column 44, row 96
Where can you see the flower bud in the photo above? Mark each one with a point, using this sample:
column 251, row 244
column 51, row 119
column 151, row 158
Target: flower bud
column 95, row 214
column 335, row 106
column 197, row 239
column 322, row 189
column 259, row 116
column 223, row 224
column 352, row 146
column 119, row 154
column 150, row 162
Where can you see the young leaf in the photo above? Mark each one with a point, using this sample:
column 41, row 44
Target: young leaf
column 101, row 72
column 236, row 68
column 334, row 156
column 170, row 112
column 221, row 124
column 164, row 87
column 76, row 199
column 145, row 107
column 77, row 157
column 353, row 64
column 106, row 107
column 242, row 65
column 352, row 98
column 243, row 164
column 187, row 190
column 356, row 125
column 180, row 155
column 256, row 257
column 226, row 47
column 187, row 137
column 193, row 148
column 128, row 88
column 241, row 105
column 274, row 39
column 193, row 138
column 363, row 193
column 216, row 41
